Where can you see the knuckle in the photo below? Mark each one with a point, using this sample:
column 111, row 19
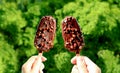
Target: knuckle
column 99, row 70
column 85, row 57
column 23, row 66
column 33, row 56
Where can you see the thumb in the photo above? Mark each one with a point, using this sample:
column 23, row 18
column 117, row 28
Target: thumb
column 37, row 64
column 81, row 65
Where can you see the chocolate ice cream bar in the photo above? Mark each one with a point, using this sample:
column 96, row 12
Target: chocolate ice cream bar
column 45, row 34
column 72, row 35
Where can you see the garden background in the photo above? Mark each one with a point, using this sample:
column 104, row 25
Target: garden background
column 98, row 19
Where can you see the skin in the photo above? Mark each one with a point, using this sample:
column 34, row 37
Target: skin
column 34, row 64
column 83, row 64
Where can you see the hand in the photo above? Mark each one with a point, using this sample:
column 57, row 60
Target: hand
column 83, row 64
column 34, row 65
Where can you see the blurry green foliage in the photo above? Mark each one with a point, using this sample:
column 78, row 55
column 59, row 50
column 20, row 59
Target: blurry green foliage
column 111, row 62
column 99, row 21
column 62, row 60
column 8, row 57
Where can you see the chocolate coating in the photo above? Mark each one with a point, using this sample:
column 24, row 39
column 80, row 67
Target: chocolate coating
column 72, row 35
column 45, row 34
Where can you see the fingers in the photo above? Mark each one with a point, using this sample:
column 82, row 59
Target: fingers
column 41, row 68
column 91, row 66
column 75, row 69
column 28, row 65
column 43, row 59
column 34, row 64
column 85, row 65
column 81, row 64
column 38, row 66
column 73, row 60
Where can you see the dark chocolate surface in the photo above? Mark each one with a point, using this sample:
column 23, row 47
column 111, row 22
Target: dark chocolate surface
column 45, row 34
column 72, row 35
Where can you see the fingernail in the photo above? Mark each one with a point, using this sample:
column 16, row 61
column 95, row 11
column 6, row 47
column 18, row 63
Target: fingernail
column 45, row 59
